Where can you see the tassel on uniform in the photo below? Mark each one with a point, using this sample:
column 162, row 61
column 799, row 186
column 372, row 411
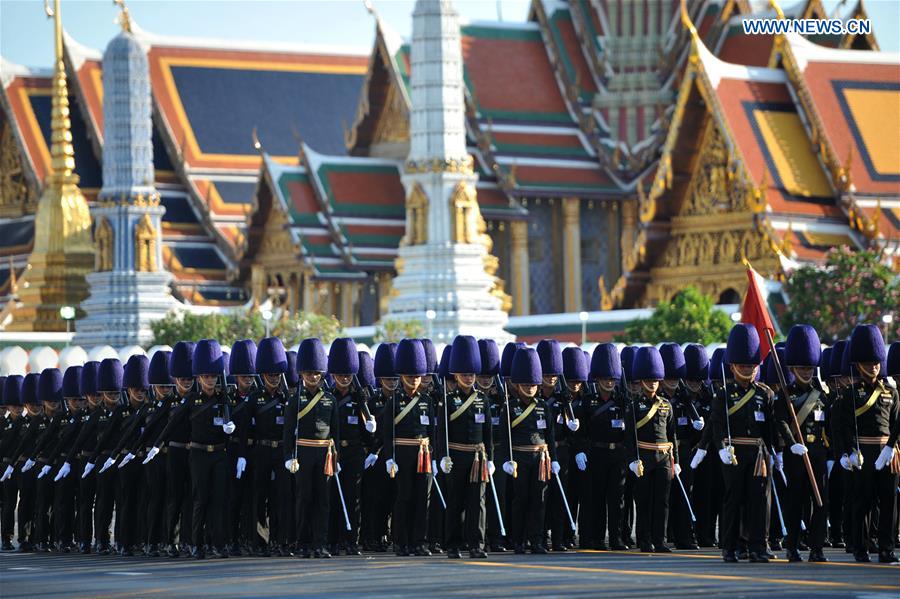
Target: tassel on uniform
column 760, row 468
column 544, row 469
column 420, row 467
column 329, row 462
column 895, row 462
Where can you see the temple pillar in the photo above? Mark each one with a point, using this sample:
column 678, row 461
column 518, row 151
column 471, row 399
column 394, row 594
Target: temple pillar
column 571, row 208
column 347, row 303
column 519, row 268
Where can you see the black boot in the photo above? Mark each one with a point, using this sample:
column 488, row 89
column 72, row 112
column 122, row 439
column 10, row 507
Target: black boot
column 454, row 553
column 862, row 556
column 817, row 555
column 886, row 557
column 6, row 546
column 422, row 551
column 477, row 553
column 758, row 558
column 793, row 556
column 729, row 556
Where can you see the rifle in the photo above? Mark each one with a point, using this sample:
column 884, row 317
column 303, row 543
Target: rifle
column 562, row 388
column 366, row 394
column 794, row 423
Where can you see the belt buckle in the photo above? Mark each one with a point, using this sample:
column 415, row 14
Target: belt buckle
column 810, row 438
column 345, row 443
column 210, row 448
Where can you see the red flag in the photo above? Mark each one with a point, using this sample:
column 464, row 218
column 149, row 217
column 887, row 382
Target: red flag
column 756, row 312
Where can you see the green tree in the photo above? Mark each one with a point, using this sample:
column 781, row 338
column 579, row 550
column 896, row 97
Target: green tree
column 689, row 318
column 229, row 327
column 851, row 288
column 393, row 330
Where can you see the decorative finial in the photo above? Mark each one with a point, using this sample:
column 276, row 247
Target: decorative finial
column 686, row 19
column 776, row 8
column 369, row 7
column 124, row 18
column 256, row 143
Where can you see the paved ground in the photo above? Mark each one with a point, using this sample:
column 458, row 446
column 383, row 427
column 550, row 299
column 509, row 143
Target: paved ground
column 587, row 573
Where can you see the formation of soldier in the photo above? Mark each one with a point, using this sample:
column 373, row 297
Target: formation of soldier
column 312, row 455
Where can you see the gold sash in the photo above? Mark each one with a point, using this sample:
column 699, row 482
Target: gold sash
column 312, row 403
column 650, row 414
column 807, row 406
column 403, row 413
column 871, row 402
column 459, row 411
column 743, row 401
column 523, row 415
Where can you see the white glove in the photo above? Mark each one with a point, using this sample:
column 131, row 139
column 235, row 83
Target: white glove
column 698, row 424
column 87, row 469
column 779, row 461
column 128, row 457
column 446, row 464
column 677, row 469
column 228, row 427
column 884, row 458
column 292, row 466
column 29, row 464
column 573, row 424
column 338, row 468
column 554, row 467
column 434, row 467
column 371, row 425
column 509, row 467
column 391, row 466
column 845, row 462
column 63, row 472
column 581, row 461
column 828, row 466
column 698, row 457
column 370, row 460
column 43, row 472
column 6, row 473
column 151, row 454
column 491, row 468
column 799, row 449
column 725, row 456
column 854, row 460
column 633, row 466
column 241, row 466
column 107, row 464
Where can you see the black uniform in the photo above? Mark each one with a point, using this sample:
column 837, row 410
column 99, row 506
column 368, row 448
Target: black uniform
column 407, row 433
column 471, row 448
column 272, row 489
column 556, row 517
column 351, row 456
column 205, row 415
column 44, row 487
column 311, row 430
column 680, row 527
column 876, row 423
column 534, row 448
column 708, row 488
column 94, row 420
column 238, row 526
column 496, row 539
column 12, row 432
column 601, row 439
column 746, row 483
column 377, row 487
column 180, row 503
column 65, row 492
column 35, row 427
column 652, row 422
column 154, row 420
column 109, row 490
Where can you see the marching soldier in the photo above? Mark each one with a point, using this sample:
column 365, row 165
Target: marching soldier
column 468, row 451
column 688, row 426
column 180, row 504
column 487, row 384
column 550, row 354
column 309, row 438
column 803, row 352
column 50, row 396
column 408, row 426
column 866, row 427
column 355, row 422
column 272, row 488
column 13, row 428
column 649, row 436
column 242, row 367
column 33, row 427
column 601, row 453
column 378, row 487
column 742, row 420
column 65, row 493
column 630, row 389
column 567, row 401
column 533, row 456
column 209, row 423
column 436, row 384
column 840, row 478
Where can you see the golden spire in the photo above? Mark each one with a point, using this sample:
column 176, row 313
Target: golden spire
column 776, row 8
column 63, row 252
column 686, row 20
column 124, row 19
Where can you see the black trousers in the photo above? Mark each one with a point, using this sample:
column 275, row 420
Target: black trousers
column 708, row 496
column 10, row 489
column 680, row 527
column 273, row 497
column 873, row 488
column 26, row 510
column 628, row 508
column 107, row 489
column 529, row 500
column 436, row 512
column 748, row 492
column 237, row 500
column 352, row 460
column 208, row 473
column 836, row 503
column 409, row 520
column 179, row 504
column 311, row 500
column 602, row 496
column 131, row 506
column 379, row 490
column 501, row 484
column 87, row 495
column 155, row 479
column 799, row 498
column 65, row 499
column 557, row 519
column 651, row 493
column 465, row 518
